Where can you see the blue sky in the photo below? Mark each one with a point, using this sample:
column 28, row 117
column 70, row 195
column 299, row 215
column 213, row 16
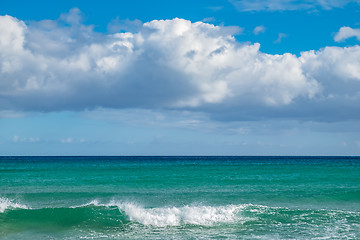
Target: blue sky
column 219, row 77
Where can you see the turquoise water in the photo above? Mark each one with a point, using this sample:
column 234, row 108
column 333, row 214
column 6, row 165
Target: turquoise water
column 180, row 197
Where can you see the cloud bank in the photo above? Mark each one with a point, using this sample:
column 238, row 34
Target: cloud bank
column 56, row 65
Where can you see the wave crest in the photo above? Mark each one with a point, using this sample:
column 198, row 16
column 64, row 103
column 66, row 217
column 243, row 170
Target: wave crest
column 10, row 204
column 174, row 216
column 201, row 215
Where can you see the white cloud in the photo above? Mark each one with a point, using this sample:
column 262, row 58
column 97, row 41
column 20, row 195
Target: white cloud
column 259, row 29
column 209, row 20
column 12, row 34
column 15, row 138
column 280, row 37
column 33, row 139
column 347, row 32
column 25, row 139
column 165, row 64
column 335, row 67
column 282, row 5
column 172, row 63
column 67, row 140
column 118, row 25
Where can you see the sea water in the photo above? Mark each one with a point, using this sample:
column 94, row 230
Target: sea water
column 179, row 198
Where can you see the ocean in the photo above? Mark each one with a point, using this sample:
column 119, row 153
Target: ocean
column 179, row 198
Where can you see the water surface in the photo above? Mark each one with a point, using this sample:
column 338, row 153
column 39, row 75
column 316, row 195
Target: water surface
column 180, row 197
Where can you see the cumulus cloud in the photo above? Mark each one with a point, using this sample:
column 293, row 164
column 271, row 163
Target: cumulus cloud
column 347, row 32
column 282, row 5
column 55, row 65
column 337, row 68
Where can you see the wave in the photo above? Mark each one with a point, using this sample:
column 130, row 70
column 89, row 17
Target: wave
column 130, row 212
column 118, row 213
column 175, row 216
column 10, row 204
column 129, row 220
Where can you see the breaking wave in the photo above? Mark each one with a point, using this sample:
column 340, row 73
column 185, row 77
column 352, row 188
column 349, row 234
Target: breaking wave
column 129, row 220
column 174, row 216
column 10, row 204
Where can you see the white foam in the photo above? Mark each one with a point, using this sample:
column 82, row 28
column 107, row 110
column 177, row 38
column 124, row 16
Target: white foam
column 9, row 204
column 92, row 203
column 174, row 216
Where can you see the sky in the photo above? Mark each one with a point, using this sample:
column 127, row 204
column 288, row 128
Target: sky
column 216, row 77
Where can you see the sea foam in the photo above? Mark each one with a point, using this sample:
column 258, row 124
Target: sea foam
column 174, row 216
column 10, row 204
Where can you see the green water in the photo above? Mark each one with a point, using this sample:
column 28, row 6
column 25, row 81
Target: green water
column 179, row 197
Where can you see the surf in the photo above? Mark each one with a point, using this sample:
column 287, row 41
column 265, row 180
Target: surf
column 6, row 203
column 175, row 216
column 116, row 219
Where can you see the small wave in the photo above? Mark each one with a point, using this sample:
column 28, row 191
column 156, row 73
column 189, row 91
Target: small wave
column 10, row 204
column 174, row 216
column 92, row 203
